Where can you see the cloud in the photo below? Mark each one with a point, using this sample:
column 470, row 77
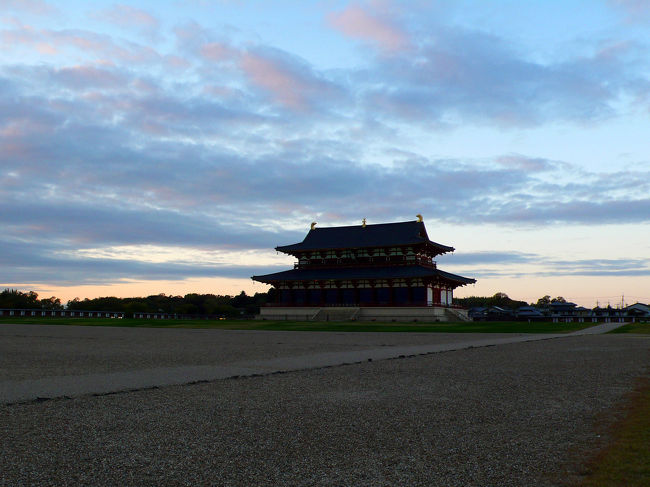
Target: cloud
column 473, row 77
column 213, row 144
column 108, row 223
column 532, row 164
column 287, row 88
column 487, row 257
column 38, row 7
column 272, row 77
column 450, row 76
column 601, row 267
column 289, row 80
column 499, row 264
column 36, row 264
column 81, row 77
column 218, row 51
column 544, row 211
column 128, row 16
column 636, row 10
column 359, row 23
column 99, row 160
column 89, row 45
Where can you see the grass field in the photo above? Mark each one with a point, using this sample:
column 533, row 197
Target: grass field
column 470, row 327
column 643, row 328
column 626, row 460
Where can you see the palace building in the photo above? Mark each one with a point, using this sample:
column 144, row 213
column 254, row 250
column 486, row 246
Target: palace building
column 384, row 271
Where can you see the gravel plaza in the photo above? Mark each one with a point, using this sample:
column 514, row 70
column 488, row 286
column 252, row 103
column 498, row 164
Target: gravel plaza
column 145, row 406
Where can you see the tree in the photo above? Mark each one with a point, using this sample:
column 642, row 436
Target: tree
column 543, row 301
column 559, row 299
column 51, row 303
column 12, row 298
column 241, row 301
column 499, row 299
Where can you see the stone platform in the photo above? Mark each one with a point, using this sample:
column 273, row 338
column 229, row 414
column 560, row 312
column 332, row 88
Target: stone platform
column 349, row 313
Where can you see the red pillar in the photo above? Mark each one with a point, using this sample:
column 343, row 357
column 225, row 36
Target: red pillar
column 292, row 297
column 391, row 293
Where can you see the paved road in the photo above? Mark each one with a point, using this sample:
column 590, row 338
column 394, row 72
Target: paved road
column 50, row 361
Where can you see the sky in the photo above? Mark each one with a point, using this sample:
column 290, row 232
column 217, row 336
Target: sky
column 154, row 147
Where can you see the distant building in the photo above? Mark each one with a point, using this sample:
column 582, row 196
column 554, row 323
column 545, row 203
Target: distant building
column 491, row 313
column 60, row 313
column 530, row 313
column 383, row 271
column 637, row 310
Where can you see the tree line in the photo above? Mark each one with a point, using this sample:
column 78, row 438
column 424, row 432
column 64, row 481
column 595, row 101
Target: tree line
column 11, row 298
column 210, row 304
column 503, row 301
column 197, row 304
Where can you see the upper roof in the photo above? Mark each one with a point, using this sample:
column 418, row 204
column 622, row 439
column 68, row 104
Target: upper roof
column 360, row 236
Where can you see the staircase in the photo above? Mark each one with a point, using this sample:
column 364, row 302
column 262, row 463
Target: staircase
column 336, row 314
column 455, row 314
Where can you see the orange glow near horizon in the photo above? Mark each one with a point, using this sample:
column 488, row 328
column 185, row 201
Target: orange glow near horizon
column 223, row 286
column 587, row 291
column 584, row 291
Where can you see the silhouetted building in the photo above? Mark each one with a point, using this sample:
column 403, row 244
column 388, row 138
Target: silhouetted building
column 365, row 266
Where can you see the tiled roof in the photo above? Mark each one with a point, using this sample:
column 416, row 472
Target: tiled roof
column 345, row 273
column 359, row 236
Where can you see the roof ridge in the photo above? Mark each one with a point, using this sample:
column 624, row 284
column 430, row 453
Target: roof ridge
column 367, row 225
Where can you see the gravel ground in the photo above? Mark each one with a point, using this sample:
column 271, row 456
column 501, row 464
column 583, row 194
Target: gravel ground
column 519, row 414
column 38, row 351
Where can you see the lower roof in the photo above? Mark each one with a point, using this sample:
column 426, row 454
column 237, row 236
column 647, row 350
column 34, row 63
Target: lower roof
column 349, row 273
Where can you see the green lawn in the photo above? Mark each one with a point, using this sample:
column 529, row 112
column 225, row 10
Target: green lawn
column 471, row 327
column 633, row 328
column 626, row 461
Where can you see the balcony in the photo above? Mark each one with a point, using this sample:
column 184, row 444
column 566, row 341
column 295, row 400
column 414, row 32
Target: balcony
column 366, row 262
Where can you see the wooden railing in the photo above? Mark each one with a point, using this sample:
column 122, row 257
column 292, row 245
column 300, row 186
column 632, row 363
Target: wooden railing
column 364, row 262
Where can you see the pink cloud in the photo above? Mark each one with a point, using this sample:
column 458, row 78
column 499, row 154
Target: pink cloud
column 101, row 45
column 45, row 48
column 356, row 22
column 53, row 42
column 613, row 50
column 176, row 61
column 216, row 51
column 22, row 35
column 125, row 15
column 106, row 48
column 287, row 88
